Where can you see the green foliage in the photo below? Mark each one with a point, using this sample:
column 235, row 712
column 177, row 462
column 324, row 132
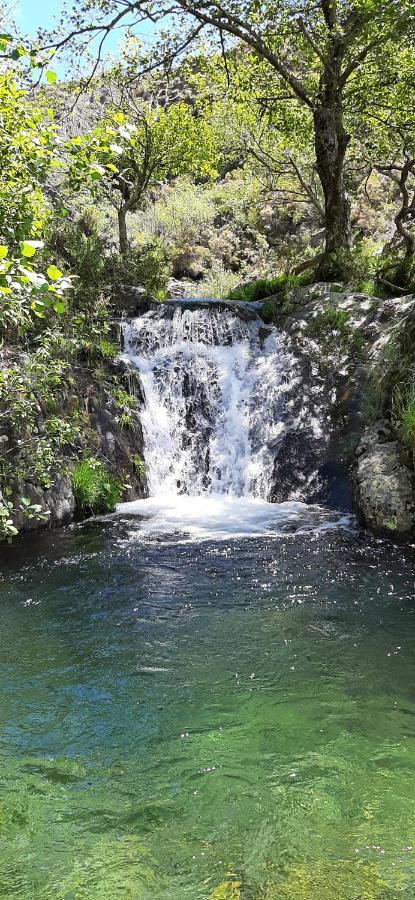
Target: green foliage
column 333, row 330
column 78, row 246
column 266, row 287
column 28, row 154
column 217, row 283
column 147, row 265
column 96, row 491
column 131, row 151
column 138, row 464
column 403, row 409
column 8, row 529
column 228, row 890
column 33, row 393
column 356, row 267
column 126, row 405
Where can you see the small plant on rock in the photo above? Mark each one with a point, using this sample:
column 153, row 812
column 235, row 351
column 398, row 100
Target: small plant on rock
column 96, row 491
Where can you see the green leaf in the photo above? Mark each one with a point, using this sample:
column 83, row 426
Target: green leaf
column 50, row 76
column 3, row 251
column 28, row 248
column 54, row 273
column 59, row 307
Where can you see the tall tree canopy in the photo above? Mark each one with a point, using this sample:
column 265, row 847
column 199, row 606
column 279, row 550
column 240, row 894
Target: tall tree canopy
column 316, row 50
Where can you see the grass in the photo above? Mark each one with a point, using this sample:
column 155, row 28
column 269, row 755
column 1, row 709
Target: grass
column 266, row 287
column 403, row 405
column 96, row 491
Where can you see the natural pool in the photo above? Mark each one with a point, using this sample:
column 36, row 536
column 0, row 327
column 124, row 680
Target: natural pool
column 216, row 718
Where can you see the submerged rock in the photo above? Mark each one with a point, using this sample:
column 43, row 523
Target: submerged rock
column 384, row 486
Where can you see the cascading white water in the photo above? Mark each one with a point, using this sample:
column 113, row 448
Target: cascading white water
column 214, row 384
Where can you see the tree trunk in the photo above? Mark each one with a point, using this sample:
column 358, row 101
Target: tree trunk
column 404, row 270
column 122, row 230
column 331, row 141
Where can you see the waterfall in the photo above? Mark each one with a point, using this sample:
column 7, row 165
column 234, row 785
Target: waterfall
column 216, row 382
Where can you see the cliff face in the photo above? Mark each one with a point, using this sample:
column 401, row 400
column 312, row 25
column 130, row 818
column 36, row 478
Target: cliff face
column 346, row 446
column 36, row 465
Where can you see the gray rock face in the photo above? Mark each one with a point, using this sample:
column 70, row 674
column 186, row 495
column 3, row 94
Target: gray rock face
column 383, row 485
column 57, row 503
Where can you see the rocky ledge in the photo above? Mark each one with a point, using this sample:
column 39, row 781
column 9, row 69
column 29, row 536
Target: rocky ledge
column 383, row 483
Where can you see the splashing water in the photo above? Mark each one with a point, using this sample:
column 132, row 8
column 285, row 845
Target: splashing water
column 215, row 384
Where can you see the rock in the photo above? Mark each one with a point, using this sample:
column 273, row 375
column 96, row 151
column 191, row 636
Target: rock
column 57, row 504
column 131, row 300
column 191, row 261
column 383, row 485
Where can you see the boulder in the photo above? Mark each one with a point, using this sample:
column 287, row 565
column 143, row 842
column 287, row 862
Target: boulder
column 57, row 504
column 383, row 484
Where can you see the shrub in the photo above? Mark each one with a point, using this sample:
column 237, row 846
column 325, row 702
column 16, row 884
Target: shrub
column 266, row 287
column 218, row 283
column 77, row 246
column 183, row 214
column 147, row 265
column 96, row 491
column 356, row 267
column 403, row 407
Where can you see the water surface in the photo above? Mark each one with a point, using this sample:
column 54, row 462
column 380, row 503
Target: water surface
column 191, row 716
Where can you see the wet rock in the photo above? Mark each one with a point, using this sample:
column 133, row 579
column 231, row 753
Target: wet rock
column 131, row 300
column 383, row 485
column 57, row 504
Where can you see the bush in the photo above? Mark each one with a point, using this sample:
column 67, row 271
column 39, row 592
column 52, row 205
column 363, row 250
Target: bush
column 266, row 287
column 95, row 490
column 147, row 265
column 403, row 407
column 184, row 214
column 356, row 267
column 78, row 248
column 217, row 284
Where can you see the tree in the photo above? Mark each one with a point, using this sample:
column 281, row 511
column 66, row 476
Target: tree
column 129, row 153
column 384, row 112
column 315, row 49
column 28, row 152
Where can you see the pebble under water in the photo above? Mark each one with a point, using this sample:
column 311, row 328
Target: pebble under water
column 219, row 718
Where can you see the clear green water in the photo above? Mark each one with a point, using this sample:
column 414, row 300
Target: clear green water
column 215, row 720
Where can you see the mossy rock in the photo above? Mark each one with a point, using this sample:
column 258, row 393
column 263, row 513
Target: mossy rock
column 227, row 890
column 327, row 880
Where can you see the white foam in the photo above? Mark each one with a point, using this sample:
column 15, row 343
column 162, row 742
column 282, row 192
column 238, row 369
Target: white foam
column 221, row 517
column 215, row 388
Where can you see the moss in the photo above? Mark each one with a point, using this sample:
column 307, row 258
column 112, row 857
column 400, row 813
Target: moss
column 332, row 329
